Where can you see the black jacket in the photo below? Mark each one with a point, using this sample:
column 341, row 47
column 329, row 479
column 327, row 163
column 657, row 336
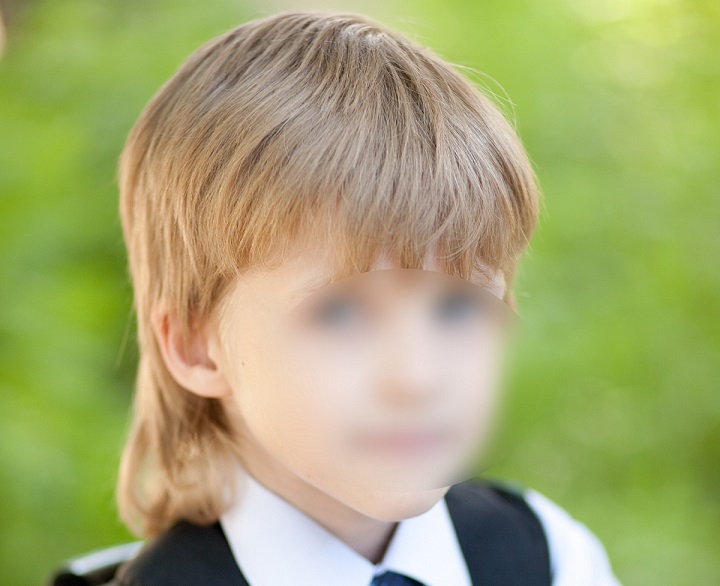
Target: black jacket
column 500, row 536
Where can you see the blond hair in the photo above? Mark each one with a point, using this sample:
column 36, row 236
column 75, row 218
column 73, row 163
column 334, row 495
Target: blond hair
column 299, row 124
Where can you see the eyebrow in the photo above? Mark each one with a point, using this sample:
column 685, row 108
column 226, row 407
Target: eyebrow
column 314, row 283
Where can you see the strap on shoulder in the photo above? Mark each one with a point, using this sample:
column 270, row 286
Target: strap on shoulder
column 501, row 537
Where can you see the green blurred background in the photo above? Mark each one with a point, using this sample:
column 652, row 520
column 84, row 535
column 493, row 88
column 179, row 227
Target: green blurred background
column 615, row 405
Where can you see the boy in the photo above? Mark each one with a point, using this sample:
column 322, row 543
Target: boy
column 306, row 203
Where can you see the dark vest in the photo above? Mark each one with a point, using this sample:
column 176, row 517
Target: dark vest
column 501, row 538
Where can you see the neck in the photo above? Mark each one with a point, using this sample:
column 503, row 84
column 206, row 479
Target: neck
column 367, row 536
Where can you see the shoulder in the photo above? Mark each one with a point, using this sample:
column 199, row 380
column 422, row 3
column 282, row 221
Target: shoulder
column 501, row 537
column 186, row 553
column 577, row 555
column 497, row 501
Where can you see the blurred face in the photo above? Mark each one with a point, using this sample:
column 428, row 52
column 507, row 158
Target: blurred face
column 373, row 388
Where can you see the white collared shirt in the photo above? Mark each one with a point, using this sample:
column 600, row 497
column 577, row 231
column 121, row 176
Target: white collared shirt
column 577, row 556
column 276, row 544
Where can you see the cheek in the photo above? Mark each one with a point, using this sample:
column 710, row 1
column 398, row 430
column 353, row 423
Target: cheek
column 474, row 380
column 472, row 377
column 300, row 408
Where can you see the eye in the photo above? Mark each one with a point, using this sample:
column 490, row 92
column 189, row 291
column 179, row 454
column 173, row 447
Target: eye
column 338, row 311
column 459, row 306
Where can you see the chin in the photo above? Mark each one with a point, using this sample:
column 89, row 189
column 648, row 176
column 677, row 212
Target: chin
column 395, row 506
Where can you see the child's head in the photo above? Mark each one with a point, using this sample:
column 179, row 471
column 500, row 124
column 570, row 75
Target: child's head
column 292, row 151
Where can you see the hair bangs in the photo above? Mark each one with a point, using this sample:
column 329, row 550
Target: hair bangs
column 394, row 151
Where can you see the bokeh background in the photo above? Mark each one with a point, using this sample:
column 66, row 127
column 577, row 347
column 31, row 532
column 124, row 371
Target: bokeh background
column 615, row 406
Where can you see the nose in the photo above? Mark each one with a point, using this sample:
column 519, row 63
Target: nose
column 412, row 365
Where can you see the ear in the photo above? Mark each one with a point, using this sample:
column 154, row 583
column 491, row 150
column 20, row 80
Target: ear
column 501, row 289
column 511, row 300
column 192, row 364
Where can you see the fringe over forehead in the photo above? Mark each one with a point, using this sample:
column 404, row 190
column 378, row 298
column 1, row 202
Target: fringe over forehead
column 332, row 127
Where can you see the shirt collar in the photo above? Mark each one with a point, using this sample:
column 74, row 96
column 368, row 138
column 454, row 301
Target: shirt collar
column 274, row 542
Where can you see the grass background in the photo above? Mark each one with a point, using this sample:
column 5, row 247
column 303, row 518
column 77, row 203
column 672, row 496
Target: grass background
column 615, row 406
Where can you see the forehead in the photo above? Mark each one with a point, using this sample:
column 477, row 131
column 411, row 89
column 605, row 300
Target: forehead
column 311, row 267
